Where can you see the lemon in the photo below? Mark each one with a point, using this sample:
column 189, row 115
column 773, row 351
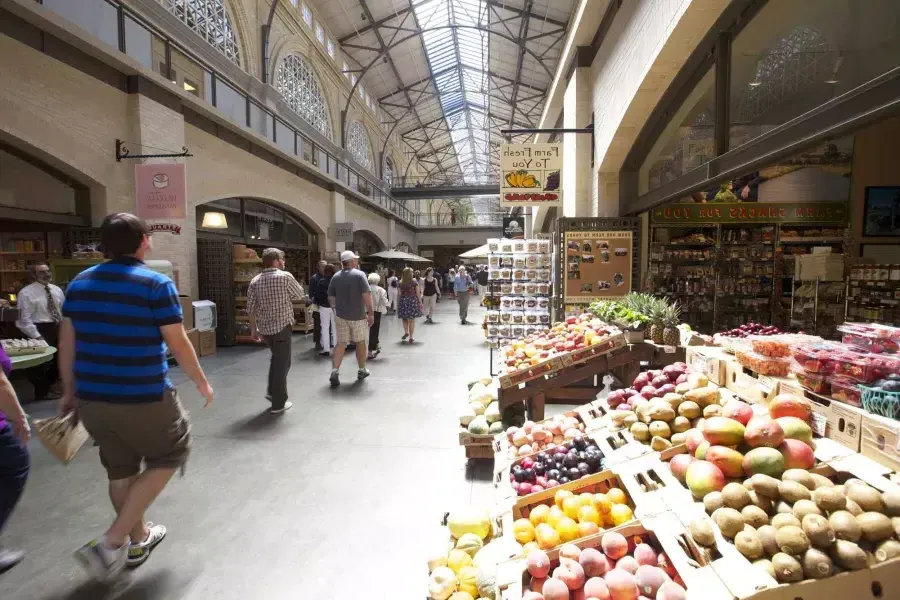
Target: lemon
column 546, row 536
column 560, row 496
column 616, row 496
column 539, row 514
column 602, row 503
column 589, row 514
column 570, row 507
column 621, row 513
column 523, row 531
column 586, row 499
column 567, row 529
column 554, row 516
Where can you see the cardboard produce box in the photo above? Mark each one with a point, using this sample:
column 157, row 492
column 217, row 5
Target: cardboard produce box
column 207, row 342
column 205, row 318
column 880, row 440
column 845, row 424
column 710, row 361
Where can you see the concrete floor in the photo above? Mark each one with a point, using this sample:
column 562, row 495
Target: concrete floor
column 340, row 498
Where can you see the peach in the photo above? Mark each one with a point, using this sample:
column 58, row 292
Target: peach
column 537, row 584
column 614, row 545
column 628, row 563
column 596, row 588
column 570, row 573
column 533, row 596
column 666, row 565
column 670, row 591
column 594, row 562
column 554, row 589
column 644, row 554
column 621, row 584
column 570, row 551
column 538, row 563
column 650, row 579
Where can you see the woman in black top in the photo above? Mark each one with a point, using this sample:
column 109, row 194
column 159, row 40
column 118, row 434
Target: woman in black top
column 432, row 291
column 326, row 313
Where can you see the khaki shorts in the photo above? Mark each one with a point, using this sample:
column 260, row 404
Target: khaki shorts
column 351, row 331
column 156, row 433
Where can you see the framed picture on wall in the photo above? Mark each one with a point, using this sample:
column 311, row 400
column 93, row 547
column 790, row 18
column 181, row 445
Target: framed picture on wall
column 881, row 216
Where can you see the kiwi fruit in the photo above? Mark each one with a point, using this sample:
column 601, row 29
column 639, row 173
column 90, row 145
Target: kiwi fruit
column 887, row 550
column 895, row 521
column 845, row 526
column 766, row 535
column 848, row 555
column 729, row 521
column 853, row 508
column 678, row 438
column 805, row 507
column 791, row 491
column 754, row 516
column 840, row 489
column 702, row 532
column 629, row 420
column 784, row 519
column 829, row 499
column 792, row 540
column 640, row 431
column 713, row 410
column 765, row 486
column 854, row 481
column 787, row 568
column 713, row 501
column 800, row 476
column 766, row 565
column 735, row 496
column 748, row 543
column 821, row 481
column 891, row 501
column 660, row 443
column 762, row 502
column 782, row 507
column 818, row 530
column 748, row 484
column 875, row 526
column 868, row 498
column 680, row 425
column 871, row 561
column 816, row 564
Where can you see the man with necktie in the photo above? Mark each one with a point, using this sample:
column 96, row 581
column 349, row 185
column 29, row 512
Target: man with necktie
column 39, row 305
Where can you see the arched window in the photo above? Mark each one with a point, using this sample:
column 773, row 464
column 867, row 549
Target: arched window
column 209, row 19
column 358, row 144
column 388, row 170
column 297, row 83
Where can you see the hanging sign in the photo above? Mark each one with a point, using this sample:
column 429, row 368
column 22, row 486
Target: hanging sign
column 165, row 228
column 513, row 229
column 750, row 212
column 343, row 232
column 160, row 190
column 530, row 174
column 597, row 265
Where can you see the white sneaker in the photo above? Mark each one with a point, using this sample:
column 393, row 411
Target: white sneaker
column 362, row 373
column 278, row 411
column 100, row 561
column 139, row 553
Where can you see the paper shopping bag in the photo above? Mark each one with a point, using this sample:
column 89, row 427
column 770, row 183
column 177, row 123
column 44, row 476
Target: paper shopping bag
column 62, row 436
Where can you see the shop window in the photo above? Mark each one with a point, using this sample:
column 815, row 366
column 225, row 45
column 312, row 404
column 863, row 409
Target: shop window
column 231, row 102
column 209, row 19
column 188, row 75
column 230, row 208
column 139, row 42
column 687, row 141
column 305, row 148
column 284, row 137
column 263, row 222
column 796, row 55
column 97, row 17
column 297, row 83
column 307, row 15
column 295, row 232
column 260, row 120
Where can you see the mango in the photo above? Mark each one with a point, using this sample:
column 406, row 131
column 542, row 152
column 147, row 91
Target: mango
column 722, row 431
column 729, row 461
column 797, row 454
column 703, row 477
column 795, row 429
column 789, row 405
column 763, row 431
column 764, row 460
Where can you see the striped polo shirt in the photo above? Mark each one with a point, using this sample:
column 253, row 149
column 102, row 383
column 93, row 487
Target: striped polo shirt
column 117, row 309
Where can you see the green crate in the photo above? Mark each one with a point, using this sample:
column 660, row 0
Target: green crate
column 880, row 402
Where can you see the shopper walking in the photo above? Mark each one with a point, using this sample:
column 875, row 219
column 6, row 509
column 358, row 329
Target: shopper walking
column 482, row 280
column 317, row 318
column 117, row 378
column 14, row 458
column 379, row 307
column 39, row 304
column 431, row 291
column 452, row 282
column 410, row 304
column 351, row 299
column 393, row 292
column 463, row 286
column 326, row 313
column 270, row 299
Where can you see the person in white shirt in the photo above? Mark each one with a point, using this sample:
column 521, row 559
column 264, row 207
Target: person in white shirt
column 40, row 312
column 380, row 306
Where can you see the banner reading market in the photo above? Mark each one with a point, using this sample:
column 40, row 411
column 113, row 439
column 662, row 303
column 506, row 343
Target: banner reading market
column 688, row 213
column 530, row 174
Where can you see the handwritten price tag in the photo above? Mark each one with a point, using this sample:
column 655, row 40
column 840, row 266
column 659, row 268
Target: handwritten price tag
column 818, row 423
column 669, row 349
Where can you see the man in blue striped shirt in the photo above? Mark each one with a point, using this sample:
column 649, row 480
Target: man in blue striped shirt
column 118, row 319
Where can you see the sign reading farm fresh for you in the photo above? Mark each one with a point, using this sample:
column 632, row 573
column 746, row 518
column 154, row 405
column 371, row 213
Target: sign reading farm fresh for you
column 529, row 174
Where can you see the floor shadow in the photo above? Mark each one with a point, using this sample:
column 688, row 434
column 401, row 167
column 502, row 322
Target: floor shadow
column 261, row 422
column 480, row 469
column 155, row 586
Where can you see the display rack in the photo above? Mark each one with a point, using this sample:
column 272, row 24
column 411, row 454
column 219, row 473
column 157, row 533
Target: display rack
column 873, row 294
column 244, row 269
column 519, row 276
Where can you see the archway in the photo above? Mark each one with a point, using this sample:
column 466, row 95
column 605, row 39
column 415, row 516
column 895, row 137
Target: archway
column 365, row 243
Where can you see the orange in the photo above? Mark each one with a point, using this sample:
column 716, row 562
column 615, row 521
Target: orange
column 602, row 503
column 523, row 531
column 586, row 499
column 560, row 496
column 567, row 529
column 617, row 496
column 570, row 506
column 554, row 516
column 539, row 514
column 589, row 514
column 546, row 536
column 586, row 528
column 621, row 513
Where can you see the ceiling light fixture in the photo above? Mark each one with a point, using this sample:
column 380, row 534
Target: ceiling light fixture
column 214, row 220
column 837, row 65
column 755, row 83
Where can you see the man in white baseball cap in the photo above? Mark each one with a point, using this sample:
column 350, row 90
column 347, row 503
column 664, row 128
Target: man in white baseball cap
column 351, row 299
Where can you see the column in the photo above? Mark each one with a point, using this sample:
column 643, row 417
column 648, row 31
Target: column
column 576, row 176
column 606, row 202
column 391, row 233
column 338, row 215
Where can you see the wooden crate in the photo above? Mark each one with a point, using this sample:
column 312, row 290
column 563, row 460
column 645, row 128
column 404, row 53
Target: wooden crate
column 587, row 415
column 534, row 372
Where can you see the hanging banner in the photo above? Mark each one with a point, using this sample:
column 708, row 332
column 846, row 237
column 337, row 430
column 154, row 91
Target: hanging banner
column 530, row 174
column 513, row 228
column 750, row 212
column 597, row 265
column 160, row 191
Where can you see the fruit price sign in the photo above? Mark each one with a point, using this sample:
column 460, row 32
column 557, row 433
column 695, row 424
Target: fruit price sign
column 597, row 265
column 530, row 174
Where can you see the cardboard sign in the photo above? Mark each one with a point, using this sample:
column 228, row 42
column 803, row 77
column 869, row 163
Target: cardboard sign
column 597, row 265
column 530, row 174
column 750, row 212
column 160, row 191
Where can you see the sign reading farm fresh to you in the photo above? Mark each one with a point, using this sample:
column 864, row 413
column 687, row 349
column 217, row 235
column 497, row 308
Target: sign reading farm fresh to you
column 160, row 190
column 749, row 212
column 530, row 174
column 597, row 265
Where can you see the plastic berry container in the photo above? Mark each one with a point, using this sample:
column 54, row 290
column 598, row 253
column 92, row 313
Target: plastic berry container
column 866, row 368
column 846, row 390
column 873, row 337
column 812, row 381
column 777, row 346
column 817, row 358
column 764, row 365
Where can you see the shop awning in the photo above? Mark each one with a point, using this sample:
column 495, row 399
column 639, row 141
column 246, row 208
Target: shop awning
column 398, row 255
column 479, row 252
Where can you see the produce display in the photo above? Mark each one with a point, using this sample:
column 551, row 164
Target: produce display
column 547, row 435
column 570, row 461
column 519, row 275
column 749, row 329
column 616, row 568
column 763, row 364
column 658, row 319
column 481, row 413
column 872, row 337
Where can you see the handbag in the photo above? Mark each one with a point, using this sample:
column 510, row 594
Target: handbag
column 63, row 436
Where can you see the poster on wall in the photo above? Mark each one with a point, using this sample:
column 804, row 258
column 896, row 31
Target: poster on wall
column 160, row 190
column 597, row 265
column 530, row 174
column 882, row 211
column 513, row 228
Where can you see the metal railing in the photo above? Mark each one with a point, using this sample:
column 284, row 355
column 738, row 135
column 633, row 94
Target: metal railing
column 450, row 220
column 419, row 182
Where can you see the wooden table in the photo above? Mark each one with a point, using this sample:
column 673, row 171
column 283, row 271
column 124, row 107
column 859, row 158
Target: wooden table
column 26, row 361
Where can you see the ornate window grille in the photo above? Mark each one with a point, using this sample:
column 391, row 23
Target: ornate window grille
column 297, row 83
column 210, row 20
column 358, row 144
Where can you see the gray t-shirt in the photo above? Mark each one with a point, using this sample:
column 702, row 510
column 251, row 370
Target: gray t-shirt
column 347, row 287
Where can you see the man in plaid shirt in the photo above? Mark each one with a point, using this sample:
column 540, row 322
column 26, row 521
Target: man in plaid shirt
column 269, row 304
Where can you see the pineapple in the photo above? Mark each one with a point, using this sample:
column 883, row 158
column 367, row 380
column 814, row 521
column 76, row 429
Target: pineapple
column 671, row 320
column 655, row 312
